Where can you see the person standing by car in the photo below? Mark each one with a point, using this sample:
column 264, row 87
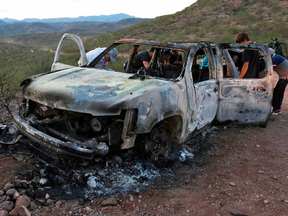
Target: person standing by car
column 110, row 56
column 250, row 58
column 280, row 66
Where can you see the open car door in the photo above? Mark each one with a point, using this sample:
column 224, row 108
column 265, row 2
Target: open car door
column 246, row 100
column 202, row 88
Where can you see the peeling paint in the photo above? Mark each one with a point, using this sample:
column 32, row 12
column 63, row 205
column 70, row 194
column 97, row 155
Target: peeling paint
column 94, row 105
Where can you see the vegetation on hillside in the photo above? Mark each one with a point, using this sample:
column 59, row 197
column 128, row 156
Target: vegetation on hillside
column 23, row 63
column 211, row 20
column 205, row 20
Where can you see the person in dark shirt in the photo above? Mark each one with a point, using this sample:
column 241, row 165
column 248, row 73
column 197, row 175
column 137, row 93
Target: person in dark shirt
column 142, row 59
column 250, row 58
column 176, row 59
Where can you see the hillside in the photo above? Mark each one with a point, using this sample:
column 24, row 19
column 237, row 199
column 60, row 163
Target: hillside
column 205, row 20
column 101, row 18
column 16, row 28
column 212, row 20
column 40, row 40
column 209, row 20
column 5, row 47
column 25, row 28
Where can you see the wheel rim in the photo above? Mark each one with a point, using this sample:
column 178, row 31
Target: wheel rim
column 158, row 145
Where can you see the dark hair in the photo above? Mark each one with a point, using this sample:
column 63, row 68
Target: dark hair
column 152, row 49
column 241, row 36
column 166, row 52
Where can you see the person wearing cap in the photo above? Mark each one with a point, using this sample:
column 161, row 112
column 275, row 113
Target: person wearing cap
column 110, row 56
column 280, row 66
column 250, row 58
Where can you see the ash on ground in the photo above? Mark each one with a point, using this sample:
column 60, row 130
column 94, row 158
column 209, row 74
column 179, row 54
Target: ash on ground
column 105, row 177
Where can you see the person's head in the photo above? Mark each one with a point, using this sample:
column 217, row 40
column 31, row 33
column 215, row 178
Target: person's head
column 272, row 52
column 111, row 55
column 151, row 51
column 235, row 59
column 175, row 52
column 166, row 54
column 241, row 38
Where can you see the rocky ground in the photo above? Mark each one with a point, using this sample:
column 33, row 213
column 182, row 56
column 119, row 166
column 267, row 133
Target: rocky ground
column 234, row 171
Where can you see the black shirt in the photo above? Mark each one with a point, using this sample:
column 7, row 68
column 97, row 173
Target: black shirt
column 251, row 56
column 173, row 58
column 137, row 62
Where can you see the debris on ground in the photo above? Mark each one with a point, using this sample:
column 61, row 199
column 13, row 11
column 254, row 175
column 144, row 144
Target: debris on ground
column 9, row 134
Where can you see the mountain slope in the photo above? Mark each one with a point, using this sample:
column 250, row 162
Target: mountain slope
column 213, row 20
column 210, row 20
column 101, row 18
column 25, row 28
column 16, row 28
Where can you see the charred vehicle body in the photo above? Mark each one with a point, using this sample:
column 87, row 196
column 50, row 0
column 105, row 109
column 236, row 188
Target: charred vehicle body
column 83, row 111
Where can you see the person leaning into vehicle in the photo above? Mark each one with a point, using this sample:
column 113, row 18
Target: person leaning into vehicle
column 110, row 56
column 140, row 60
column 280, row 66
column 250, row 58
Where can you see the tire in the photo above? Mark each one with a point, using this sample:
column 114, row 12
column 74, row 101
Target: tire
column 156, row 144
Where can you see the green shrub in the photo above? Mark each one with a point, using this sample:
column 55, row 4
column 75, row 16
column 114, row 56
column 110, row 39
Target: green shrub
column 276, row 8
column 191, row 30
column 118, row 65
column 246, row 17
column 259, row 11
column 224, row 38
column 40, row 62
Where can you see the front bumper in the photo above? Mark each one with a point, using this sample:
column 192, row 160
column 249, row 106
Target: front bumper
column 59, row 146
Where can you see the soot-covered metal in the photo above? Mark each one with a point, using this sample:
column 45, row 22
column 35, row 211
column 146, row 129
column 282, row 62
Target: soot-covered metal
column 85, row 111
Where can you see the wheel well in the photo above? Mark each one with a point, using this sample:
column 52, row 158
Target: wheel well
column 174, row 125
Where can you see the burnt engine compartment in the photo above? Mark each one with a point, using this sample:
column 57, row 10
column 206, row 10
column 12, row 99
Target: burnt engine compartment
column 82, row 129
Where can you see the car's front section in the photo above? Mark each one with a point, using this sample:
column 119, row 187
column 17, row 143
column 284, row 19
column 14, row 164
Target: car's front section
column 82, row 111
column 85, row 111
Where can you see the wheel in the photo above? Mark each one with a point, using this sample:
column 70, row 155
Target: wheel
column 157, row 144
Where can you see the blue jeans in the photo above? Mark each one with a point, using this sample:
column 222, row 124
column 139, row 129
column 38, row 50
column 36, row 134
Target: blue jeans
column 279, row 94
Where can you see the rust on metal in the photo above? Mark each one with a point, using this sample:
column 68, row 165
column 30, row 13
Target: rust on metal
column 72, row 110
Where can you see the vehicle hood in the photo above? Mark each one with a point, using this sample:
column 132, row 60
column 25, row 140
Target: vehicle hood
column 88, row 90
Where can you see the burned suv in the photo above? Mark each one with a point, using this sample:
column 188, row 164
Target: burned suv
column 82, row 111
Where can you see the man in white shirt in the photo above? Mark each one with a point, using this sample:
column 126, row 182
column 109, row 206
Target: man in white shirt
column 110, row 56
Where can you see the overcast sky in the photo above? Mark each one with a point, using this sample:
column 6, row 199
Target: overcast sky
column 21, row 9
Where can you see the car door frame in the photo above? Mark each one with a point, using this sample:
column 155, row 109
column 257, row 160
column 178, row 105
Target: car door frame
column 247, row 100
column 202, row 96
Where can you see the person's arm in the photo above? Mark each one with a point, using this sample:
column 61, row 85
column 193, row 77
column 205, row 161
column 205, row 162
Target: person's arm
column 146, row 64
column 244, row 69
column 204, row 62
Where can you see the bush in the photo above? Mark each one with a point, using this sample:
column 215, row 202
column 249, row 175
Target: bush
column 41, row 62
column 7, row 93
column 233, row 30
column 224, row 38
column 276, row 8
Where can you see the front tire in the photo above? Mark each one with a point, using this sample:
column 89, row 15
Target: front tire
column 156, row 144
